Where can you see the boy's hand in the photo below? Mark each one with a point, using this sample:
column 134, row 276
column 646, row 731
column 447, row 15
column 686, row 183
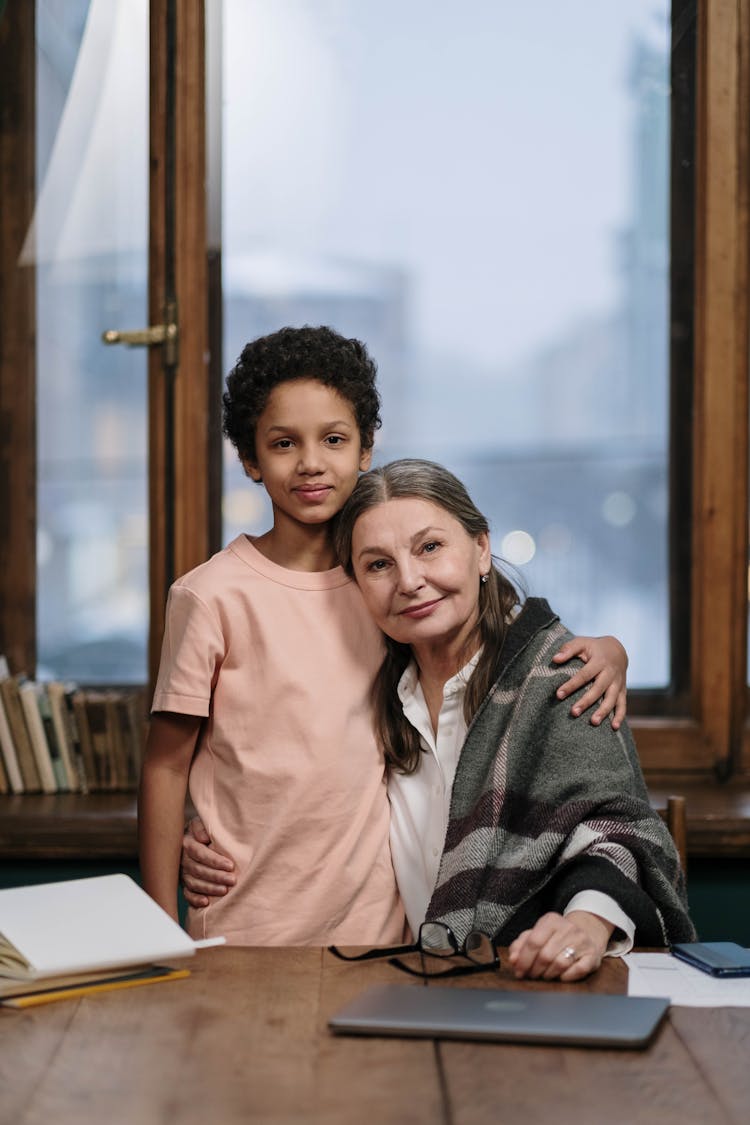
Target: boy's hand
column 605, row 667
column 204, row 873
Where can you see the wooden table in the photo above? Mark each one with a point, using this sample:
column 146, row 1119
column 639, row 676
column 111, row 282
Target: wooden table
column 244, row 1039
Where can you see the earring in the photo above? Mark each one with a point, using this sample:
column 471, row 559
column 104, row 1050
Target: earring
column 483, row 579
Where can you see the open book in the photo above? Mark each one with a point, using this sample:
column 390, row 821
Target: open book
column 85, row 926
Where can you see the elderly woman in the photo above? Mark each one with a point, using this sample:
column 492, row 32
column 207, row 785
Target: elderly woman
column 507, row 816
column 551, row 845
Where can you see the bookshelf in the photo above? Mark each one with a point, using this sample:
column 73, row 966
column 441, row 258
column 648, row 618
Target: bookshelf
column 59, row 737
column 67, row 790
column 87, row 809
column 79, row 826
column 68, row 826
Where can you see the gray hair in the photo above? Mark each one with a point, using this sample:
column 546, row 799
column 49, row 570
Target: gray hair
column 409, row 477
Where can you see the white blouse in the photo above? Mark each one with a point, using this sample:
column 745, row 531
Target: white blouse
column 420, row 804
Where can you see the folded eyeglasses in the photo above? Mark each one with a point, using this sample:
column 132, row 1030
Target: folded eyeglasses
column 435, row 939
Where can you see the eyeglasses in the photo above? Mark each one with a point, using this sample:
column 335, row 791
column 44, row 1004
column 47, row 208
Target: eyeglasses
column 436, row 939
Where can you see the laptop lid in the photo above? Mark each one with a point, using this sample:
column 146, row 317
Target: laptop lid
column 574, row 1018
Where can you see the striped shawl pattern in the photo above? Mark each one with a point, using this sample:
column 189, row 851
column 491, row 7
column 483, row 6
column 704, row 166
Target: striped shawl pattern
column 544, row 806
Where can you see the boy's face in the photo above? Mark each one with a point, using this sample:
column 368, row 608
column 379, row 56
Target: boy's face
column 308, row 451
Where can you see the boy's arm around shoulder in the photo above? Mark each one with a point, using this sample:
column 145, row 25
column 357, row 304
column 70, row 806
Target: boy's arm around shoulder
column 161, row 803
column 604, row 669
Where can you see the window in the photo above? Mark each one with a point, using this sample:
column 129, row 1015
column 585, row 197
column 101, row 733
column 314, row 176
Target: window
column 88, row 242
column 488, row 209
column 366, row 259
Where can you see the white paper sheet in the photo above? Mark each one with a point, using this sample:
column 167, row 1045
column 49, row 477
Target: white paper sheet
column 661, row 974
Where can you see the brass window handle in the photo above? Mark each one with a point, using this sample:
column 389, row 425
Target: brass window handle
column 141, row 337
column 167, row 334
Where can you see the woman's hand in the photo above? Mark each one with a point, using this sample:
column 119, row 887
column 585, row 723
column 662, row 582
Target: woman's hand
column 605, row 664
column 204, row 873
column 562, row 947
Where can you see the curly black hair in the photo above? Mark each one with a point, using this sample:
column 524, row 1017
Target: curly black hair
column 299, row 353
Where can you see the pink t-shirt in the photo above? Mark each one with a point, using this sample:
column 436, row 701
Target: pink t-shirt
column 288, row 777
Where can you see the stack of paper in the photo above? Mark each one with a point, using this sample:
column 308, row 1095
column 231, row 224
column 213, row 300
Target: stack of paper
column 84, row 929
column 661, row 974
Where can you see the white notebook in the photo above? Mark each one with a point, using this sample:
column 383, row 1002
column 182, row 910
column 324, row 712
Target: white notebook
column 85, row 925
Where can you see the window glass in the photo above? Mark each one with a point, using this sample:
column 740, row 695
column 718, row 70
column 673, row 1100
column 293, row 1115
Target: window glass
column 88, row 243
column 480, row 192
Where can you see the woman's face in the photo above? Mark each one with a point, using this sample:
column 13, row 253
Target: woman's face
column 419, row 572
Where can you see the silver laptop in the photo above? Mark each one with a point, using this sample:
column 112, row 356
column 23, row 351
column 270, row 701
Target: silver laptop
column 580, row 1019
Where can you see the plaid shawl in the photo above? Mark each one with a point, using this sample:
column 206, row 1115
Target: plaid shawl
column 544, row 806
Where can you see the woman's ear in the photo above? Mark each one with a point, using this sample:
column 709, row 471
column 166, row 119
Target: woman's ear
column 365, row 460
column 485, row 553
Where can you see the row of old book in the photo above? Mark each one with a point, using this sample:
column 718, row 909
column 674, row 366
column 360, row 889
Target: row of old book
column 56, row 737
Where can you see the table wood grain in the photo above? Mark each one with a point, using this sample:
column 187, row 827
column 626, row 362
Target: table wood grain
column 245, row 1039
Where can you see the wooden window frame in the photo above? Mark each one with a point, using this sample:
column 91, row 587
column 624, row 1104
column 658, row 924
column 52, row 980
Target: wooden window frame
column 183, row 411
column 710, row 739
column 17, row 339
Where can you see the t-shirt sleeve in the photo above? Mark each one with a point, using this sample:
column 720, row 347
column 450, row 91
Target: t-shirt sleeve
column 191, row 655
